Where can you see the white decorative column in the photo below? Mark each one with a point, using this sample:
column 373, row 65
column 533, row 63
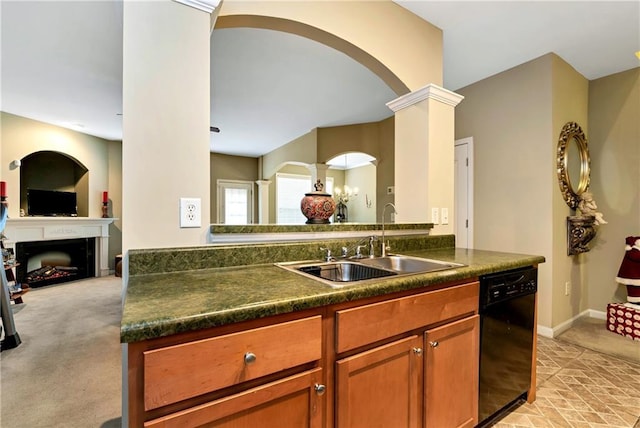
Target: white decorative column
column 263, row 201
column 424, row 155
column 318, row 172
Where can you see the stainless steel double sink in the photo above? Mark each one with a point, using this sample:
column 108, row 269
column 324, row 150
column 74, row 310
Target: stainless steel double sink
column 343, row 272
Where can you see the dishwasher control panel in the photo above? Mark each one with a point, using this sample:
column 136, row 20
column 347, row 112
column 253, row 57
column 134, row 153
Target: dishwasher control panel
column 506, row 285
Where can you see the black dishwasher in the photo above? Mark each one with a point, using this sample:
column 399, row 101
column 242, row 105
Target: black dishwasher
column 507, row 304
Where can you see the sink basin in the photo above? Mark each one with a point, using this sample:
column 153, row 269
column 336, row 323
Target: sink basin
column 343, row 271
column 340, row 273
column 408, row 264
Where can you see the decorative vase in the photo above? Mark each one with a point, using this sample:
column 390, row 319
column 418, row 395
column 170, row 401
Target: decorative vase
column 317, row 207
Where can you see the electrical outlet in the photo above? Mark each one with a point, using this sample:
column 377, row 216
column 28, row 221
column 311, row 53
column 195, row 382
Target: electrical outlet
column 434, row 215
column 190, row 212
column 567, row 288
column 445, row 216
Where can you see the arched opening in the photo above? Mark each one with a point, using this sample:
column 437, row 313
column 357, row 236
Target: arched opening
column 356, row 196
column 51, row 170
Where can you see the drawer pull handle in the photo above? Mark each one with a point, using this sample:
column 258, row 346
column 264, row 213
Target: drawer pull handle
column 250, row 357
column 417, row 351
column 320, row 389
column 434, row 344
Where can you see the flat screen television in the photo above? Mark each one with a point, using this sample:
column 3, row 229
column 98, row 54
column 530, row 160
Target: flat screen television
column 51, row 203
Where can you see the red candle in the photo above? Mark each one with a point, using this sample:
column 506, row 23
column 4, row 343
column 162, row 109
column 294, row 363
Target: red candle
column 105, row 197
column 3, row 189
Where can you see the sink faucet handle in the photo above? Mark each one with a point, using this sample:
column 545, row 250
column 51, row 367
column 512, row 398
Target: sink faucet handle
column 359, row 251
column 328, row 257
column 345, row 251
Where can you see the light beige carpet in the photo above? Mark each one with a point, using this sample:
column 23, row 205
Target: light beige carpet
column 592, row 333
column 67, row 371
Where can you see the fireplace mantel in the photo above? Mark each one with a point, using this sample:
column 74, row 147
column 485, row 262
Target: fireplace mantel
column 27, row 229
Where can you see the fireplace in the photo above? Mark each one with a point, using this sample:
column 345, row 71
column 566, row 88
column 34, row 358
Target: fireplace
column 55, row 261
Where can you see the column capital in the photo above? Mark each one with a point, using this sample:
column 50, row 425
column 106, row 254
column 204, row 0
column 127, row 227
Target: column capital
column 203, row 5
column 431, row 91
column 261, row 183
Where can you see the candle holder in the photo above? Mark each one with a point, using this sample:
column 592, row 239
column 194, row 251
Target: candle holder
column 105, row 210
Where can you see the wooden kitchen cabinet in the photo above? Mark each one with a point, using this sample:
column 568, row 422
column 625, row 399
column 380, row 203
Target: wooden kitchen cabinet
column 292, row 402
column 451, row 374
column 373, row 357
column 381, row 387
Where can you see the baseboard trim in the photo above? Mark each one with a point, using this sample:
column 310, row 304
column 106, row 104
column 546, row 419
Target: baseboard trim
column 562, row 327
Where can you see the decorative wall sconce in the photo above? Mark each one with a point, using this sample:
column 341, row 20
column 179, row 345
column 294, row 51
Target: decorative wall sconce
column 575, row 169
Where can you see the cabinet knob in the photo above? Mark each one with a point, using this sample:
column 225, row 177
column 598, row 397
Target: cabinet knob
column 417, row 351
column 434, row 344
column 250, row 357
column 320, row 389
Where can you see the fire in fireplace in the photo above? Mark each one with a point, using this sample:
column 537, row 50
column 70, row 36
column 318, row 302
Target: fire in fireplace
column 52, row 262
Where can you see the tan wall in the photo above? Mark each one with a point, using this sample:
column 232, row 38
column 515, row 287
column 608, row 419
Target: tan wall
column 570, row 92
column 614, row 144
column 22, row 136
column 509, row 117
column 302, row 150
column 225, row 167
column 364, row 178
column 165, row 122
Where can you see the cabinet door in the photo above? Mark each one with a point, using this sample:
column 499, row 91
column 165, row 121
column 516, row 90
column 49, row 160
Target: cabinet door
column 293, row 402
column 381, row 387
column 451, row 374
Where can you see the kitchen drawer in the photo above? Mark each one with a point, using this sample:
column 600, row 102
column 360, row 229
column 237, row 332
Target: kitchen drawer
column 183, row 371
column 370, row 323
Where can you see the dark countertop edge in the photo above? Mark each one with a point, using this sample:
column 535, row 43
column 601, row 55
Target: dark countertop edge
column 135, row 332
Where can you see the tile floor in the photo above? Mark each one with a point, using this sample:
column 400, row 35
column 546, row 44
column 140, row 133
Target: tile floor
column 579, row 388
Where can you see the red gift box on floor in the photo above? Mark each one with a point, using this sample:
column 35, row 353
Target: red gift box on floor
column 623, row 320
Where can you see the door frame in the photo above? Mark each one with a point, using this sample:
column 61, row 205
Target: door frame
column 468, row 141
column 223, row 184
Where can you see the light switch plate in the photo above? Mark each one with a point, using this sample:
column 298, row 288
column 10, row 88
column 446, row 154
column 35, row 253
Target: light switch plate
column 190, row 212
column 434, row 215
column 445, row 216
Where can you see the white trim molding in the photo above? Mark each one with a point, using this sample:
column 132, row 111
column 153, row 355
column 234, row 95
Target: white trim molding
column 27, row 229
column 431, row 91
column 562, row 327
column 204, row 5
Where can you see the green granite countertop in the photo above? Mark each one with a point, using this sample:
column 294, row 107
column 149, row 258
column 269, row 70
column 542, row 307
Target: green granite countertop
column 162, row 304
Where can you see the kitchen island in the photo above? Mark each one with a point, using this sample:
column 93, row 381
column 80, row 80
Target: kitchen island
column 231, row 337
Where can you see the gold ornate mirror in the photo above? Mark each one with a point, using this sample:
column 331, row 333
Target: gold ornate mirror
column 573, row 163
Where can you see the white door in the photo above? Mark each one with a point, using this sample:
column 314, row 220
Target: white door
column 463, row 190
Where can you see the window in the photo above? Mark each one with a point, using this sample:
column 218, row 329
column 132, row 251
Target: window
column 290, row 188
column 235, row 202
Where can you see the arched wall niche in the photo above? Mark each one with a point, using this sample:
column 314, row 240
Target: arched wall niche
column 51, row 170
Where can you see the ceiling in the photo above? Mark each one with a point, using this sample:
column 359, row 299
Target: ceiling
column 62, row 64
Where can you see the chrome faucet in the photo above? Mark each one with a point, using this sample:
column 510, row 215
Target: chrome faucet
column 384, row 245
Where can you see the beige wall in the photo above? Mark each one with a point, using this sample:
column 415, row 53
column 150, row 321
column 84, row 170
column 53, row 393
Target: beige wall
column 364, row 178
column 22, row 136
column 570, row 92
column 225, row 167
column 614, row 144
column 166, row 122
column 509, row 117
column 515, row 118
column 302, row 150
